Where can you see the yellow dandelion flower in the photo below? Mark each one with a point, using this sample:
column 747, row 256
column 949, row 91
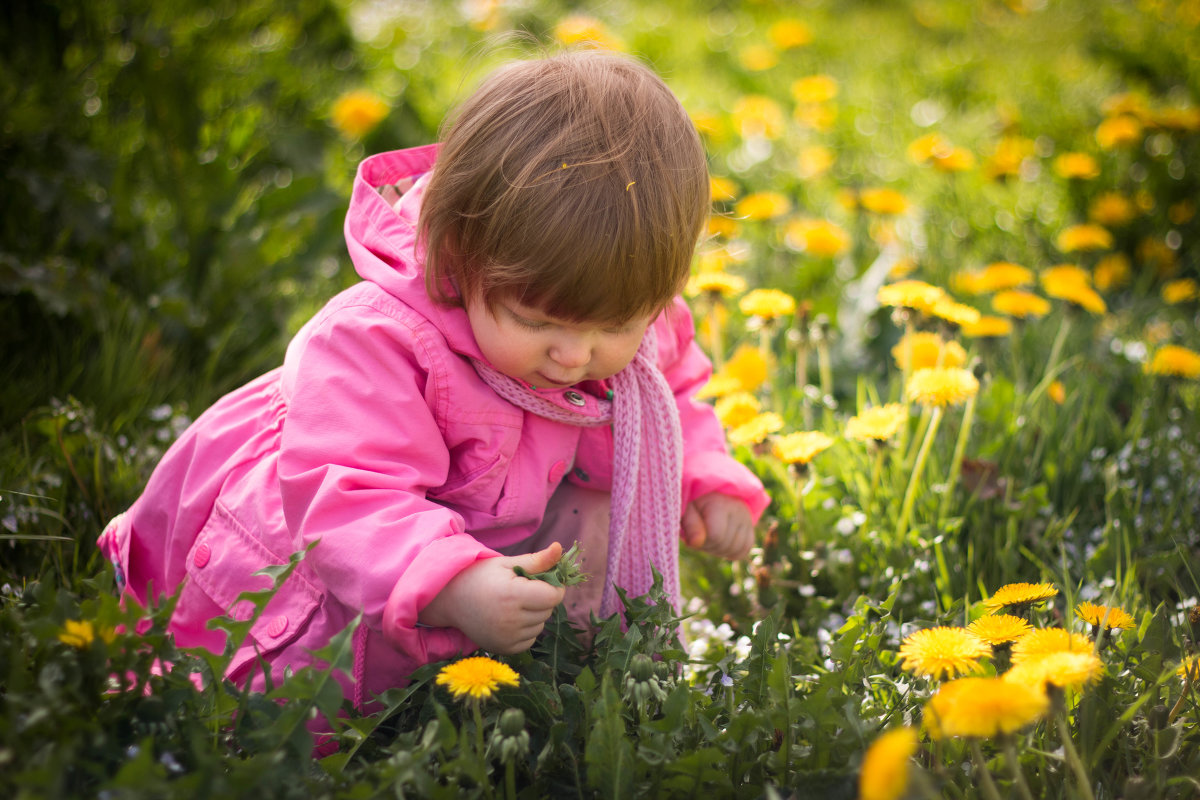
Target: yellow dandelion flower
column 756, row 430
column 1174, row 360
column 1180, row 291
column 1108, row 616
column 814, row 161
column 583, row 29
column 942, row 652
column 767, row 303
column 884, row 771
column 913, row 294
column 748, row 367
column 719, row 385
column 1123, row 130
column 954, row 312
column 758, row 57
column 941, row 386
column 1006, row 159
column 1021, row 304
column 81, row 633
column 1064, row 668
column 926, row 147
column 814, row 89
column 800, row 447
column 788, row 33
column 982, row 707
column 1181, row 213
column 883, row 201
column 722, row 226
column 1057, row 392
column 1064, row 287
column 819, row 238
column 1131, row 103
column 755, row 116
column 1083, row 237
column 1112, row 209
column 715, row 283
column 1076, row 166
column 1157, row 255
column 357, row 113
column 1020, row 595
column 736, row 409
column 818, row 116
column 1112, row 271
column 996, row 629
column 1185, row 120
column 1064, row 273
column 988, row 326
column 1041, row 641
column 762, row 205
column 709, row 123
column 721, row 188
column 477, row 677
column 902, row 268
column 1189, row 669
column 924, row 349
column 878, row 423
column 1000, row 276
column 959, row 159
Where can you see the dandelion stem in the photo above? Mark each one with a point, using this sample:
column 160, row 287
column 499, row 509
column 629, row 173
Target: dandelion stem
column 880, row 449
column 1014, row 766
column 1072, row 756
column 1056, row 348
column 960, row 448
column 914, row 477
column 716, row 344
column 986, row 784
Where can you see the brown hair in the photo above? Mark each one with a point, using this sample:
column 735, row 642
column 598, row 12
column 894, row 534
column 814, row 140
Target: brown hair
column 575, row 184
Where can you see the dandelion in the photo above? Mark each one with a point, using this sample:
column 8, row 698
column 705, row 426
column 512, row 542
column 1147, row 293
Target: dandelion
column 925, row 148
column 814, row 161
column 913, row 294
column 1174, row 360
column 1009, row 155
column 943, row 652
column 885, row 766
column 357, row 113
column 583, row 29
column 789, row 33
column 721, row 188
column 982, row 708
column 756, row 430
column 1063, row 669
column 1076, row 166
column 756, row 116
column 877, row 424
column 1112, row 271
column 941, row 386
column 758, row 58
column 723, row 226
column 1041, row 641
column 801, row 447
column 762, row 205
column 818, row 116
column 954, row 312
column 736, row 409
column 721, row 284
column 1108, row 616
column 1189, row 668
column 767, row 303
column 1001, row 275
column 1083, row 237
column 814, row 89
column 1180, row 291
column 924, row 349
column 1020, row 304
column 747, row 367
column 817, row 237
column 1065, row 273
column 1020, row 596
column 476, row 678
column 998, row 629
column 1074, row 292
column 1057, row 392
column 1112, row 209
column 1122, row 130
column 81, row 633
column 988, row 327
column 883, row 201
column 1157, row 255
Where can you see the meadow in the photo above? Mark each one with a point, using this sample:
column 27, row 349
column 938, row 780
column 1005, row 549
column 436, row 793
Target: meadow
column 950, row 287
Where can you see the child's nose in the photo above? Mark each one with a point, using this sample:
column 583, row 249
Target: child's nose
column 571, row 352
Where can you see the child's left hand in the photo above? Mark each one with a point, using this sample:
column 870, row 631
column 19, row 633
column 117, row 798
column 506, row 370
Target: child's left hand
column 719, row 524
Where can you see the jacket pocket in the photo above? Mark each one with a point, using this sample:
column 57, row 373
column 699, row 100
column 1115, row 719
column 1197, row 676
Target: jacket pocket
column 222, row 563
column 481, row 457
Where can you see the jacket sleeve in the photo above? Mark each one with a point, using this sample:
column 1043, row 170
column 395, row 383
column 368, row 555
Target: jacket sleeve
column 707, row 463
column 360, row 450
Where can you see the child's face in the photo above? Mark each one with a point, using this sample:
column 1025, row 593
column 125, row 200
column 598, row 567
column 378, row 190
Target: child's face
column 549, row 353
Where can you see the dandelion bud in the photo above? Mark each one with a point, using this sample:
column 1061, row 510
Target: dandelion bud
column 642, row 667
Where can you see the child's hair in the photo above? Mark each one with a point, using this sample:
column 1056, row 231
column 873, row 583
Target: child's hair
column 575, row 184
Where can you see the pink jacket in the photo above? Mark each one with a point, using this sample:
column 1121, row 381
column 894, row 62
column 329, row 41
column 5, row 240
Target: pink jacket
column 378, row 439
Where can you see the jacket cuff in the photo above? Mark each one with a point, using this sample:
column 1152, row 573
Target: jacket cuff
column 427, row 575
column 718, row 472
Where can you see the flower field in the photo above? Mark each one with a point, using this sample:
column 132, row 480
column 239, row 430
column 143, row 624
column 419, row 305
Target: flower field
column 950, row 287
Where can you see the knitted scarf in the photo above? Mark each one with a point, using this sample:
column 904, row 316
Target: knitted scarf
column 647, row 467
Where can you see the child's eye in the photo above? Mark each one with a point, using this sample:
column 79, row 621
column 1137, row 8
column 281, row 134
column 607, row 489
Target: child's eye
column 527, row 323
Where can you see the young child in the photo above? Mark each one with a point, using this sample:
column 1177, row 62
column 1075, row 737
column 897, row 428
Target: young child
column 514, row 365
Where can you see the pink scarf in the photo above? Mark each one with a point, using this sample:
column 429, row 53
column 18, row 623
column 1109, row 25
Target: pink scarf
column 647, row 467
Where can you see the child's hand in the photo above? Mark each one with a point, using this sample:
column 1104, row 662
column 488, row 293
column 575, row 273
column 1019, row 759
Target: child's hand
column 719, row 524
column 496, row 608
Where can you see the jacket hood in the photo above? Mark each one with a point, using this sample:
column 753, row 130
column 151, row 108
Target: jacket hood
column 382, row 239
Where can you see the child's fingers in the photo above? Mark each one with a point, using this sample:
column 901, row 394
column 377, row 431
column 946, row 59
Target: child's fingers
column 540, row 561
column 695, row 533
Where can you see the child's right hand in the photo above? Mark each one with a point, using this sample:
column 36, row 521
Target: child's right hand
column 496, row 608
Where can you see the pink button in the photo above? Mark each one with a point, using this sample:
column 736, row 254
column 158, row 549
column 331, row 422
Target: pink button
column 202, row 555
column 277, row 626
column 557, row 471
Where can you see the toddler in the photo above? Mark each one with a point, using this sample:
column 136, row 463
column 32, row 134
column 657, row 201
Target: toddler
column 513, row 373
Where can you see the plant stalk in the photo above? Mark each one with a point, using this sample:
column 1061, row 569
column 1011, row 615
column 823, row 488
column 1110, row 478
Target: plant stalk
column 914, row 477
